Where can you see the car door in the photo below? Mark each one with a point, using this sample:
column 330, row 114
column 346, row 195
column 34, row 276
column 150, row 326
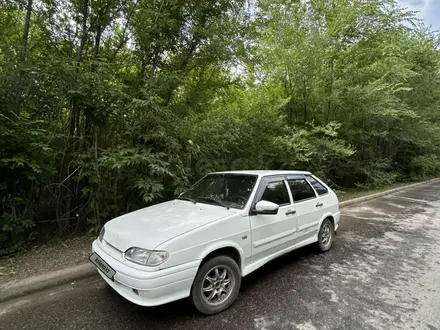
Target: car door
column 272, row 232
column 307, row 207
column 324, row 201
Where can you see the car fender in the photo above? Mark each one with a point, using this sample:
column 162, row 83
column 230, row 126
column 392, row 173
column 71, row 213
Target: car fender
column 220, row 245
column 325, row 216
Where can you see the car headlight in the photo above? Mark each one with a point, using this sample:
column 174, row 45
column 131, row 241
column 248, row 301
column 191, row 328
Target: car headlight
column 146, row 257
column 101, row 234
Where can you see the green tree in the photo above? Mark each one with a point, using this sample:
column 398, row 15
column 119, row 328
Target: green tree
column 107, row 106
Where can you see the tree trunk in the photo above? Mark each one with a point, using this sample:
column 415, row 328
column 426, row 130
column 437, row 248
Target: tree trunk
column 155, row 63
column 84, row 31
column 27, row 25
column 74, row 129
column 74, row 113
column 182, row 67
column 97, row 42
column 99, row 30
column 96, row 191
column 330, row 90
column 306, row 100
column 143, row 67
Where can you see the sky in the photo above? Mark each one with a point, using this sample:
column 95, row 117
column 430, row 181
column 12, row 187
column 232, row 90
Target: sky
column 429, row 10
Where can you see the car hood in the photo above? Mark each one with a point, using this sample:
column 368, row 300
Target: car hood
column 151, row 226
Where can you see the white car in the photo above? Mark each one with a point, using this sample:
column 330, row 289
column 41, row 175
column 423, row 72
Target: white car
column 224, row 227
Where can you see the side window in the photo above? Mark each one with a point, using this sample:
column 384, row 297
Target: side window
column 300, row 190
column 276, row 192
column 320, row 189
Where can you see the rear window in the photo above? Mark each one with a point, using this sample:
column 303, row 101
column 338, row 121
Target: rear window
column 320, row 189
column 300, row 189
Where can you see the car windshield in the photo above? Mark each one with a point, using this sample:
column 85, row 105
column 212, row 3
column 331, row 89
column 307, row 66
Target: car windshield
column 223, row 189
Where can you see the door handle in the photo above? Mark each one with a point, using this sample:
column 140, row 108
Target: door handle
column 290, row 212
column 319, row 205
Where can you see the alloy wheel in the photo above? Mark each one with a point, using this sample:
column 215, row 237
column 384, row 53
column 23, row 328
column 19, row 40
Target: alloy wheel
column 218, row 285
column 326, row 235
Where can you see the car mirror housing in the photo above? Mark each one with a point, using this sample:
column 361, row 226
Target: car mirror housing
column 266, row 207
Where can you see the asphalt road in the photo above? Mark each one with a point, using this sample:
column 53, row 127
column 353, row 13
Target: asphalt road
column 383, row 272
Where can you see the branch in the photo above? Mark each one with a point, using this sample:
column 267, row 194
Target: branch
column 124, row 31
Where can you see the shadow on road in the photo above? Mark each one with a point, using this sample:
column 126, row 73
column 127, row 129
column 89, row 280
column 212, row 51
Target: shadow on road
column 254, row 284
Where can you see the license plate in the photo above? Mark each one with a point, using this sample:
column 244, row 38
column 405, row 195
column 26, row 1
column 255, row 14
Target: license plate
column 102, row 266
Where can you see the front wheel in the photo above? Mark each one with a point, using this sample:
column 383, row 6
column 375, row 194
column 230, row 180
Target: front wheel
column 325, row 235
column 216, row 285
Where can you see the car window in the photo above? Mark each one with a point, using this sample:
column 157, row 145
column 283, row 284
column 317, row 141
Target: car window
column 320, row 189
column 276, row 192
column 300, row 189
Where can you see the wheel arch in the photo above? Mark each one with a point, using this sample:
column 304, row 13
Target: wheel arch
column 327, row 215
column 225, row 248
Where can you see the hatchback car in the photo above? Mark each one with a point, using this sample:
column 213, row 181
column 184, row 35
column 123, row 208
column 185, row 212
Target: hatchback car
column 221, row 229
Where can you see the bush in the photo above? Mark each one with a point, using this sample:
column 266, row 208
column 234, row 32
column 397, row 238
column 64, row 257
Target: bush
column 425, row 166
column 376, row 174
column 24, row 163
column 13, row 232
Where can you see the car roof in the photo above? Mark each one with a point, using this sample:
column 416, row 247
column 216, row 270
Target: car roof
column 264, row 172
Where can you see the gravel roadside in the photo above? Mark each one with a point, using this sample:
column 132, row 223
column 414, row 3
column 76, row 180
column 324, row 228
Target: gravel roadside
column 39, row 259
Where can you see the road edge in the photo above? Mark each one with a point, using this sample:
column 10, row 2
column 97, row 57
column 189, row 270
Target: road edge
column 382, row 193
column 19, row 288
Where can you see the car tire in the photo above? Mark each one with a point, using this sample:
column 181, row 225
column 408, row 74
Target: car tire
column 325, row 235
column 213, row 290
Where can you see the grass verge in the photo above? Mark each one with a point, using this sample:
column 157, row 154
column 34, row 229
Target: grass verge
column 355, row 193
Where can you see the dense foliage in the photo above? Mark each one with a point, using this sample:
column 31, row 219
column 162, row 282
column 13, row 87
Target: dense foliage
column 110, row 105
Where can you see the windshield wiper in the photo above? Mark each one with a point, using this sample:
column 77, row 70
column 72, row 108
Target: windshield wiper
column 186, row 199
column 217, row 201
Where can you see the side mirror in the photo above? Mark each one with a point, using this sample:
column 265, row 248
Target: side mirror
column 265, row 207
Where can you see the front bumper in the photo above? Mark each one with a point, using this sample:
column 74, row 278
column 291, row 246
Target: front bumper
column 149, row 288
column 337, row 217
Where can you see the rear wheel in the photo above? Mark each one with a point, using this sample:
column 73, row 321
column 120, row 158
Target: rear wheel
column 325, row 235
column 216, row 285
